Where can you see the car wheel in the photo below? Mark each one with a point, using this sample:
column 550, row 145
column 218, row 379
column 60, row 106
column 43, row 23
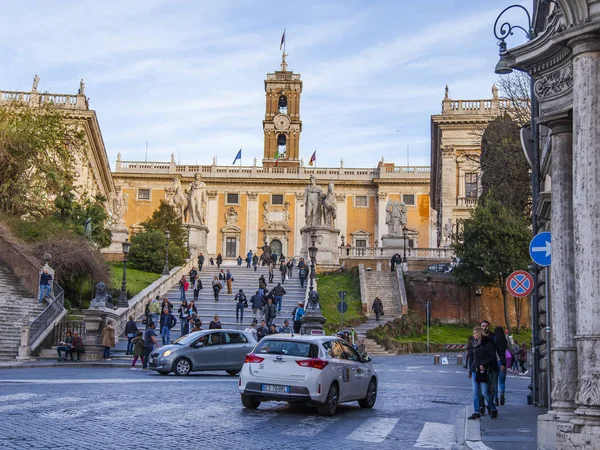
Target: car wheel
column 371, row 397
column 250, row 402
column 182, row 367
column 233, row 373
column 331, row 403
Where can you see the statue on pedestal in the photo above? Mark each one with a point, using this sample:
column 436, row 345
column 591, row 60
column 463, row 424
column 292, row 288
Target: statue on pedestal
column 448, row 228
column 179, row 200
column 36, row 81
column 102, row 298
column 118, row 207
column 313, row 301
column 196, row 202
column 329, row 207
column 312, row 203
column 395, row 217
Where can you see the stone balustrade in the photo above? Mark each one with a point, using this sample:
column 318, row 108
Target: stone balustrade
column 466, row 202
column 488, row 106
column 413, row 253
column 61, row 101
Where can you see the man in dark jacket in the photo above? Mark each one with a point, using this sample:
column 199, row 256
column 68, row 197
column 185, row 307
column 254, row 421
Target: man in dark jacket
column 278, row 292
column 215, row 324
column 200, row 261
column 270, row 312
column 256, row 301
column 262, row 331
column 131, row 331
column 493, row 373
column 167, row 321
column 484, row 363
column 240, row 304
column 255, row 262
column 193, row 275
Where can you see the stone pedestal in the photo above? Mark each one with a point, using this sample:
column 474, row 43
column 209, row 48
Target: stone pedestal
column 198, row 237
column 312, row 320
column 24, row 349
column 118, row 235
column 95, row 319
column 327, row 242
column 392, row 244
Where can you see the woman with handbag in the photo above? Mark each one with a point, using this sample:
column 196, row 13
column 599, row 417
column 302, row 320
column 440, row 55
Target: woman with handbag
column 216, row 285
column 484, row 359
column 504, row 356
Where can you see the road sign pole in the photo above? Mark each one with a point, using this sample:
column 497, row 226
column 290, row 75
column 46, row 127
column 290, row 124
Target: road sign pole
column 548, row 335
column 428, row 305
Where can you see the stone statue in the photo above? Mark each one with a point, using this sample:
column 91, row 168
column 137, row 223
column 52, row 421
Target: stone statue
column 329, row 207
column 395, row 217
column 448, row 228
column 179, row 200
column 341, row 163
column 446, row 94
column 494, row 91
column 265, row 258
column 102, row 298
column 313, row 301
column 301, row 162
column 36, row 81
column 254, row 163
column 231, row 217
column 196, row 202
column 286, row 212
column 118, row 207
column 265, row 213
column 312, row 203
column 81, row 87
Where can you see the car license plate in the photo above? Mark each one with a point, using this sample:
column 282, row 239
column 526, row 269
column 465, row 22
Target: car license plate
column 275, row 388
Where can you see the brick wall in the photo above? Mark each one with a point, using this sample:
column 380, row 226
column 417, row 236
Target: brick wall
column 450, row 302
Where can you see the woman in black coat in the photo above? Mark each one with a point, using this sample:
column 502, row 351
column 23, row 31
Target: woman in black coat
column 501, row 347
column 484, row 359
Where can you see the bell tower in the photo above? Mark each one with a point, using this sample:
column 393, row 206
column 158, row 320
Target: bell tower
column 282, row 125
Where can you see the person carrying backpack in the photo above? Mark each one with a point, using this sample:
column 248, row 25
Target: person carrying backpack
column 297, row 316
column 241, row 303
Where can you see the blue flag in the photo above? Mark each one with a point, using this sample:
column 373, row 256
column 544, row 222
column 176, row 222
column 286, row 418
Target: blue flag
column 238, row 156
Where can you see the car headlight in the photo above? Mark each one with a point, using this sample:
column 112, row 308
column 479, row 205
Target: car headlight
column 167, row 353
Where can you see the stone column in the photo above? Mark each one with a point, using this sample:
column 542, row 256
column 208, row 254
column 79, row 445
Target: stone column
column 341, row 221
column 252, row 223
column 563, row 320
column 213, row 209
column 381, row 227
column 298, row 222
column 586, row 199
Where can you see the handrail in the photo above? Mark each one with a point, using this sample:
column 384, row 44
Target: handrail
column 47, row 317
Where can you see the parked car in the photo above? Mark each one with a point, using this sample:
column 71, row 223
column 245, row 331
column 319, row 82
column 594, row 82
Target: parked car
column 314, row 370
column 203, row 350
column 442, row 267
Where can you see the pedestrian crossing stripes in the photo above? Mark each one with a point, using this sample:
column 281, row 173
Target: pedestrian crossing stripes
column 436, row 435
column 374, row 430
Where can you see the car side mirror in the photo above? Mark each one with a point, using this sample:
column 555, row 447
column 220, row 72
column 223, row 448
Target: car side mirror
column 366, row 358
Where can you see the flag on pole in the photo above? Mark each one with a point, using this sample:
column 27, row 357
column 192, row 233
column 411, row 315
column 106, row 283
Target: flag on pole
column 238, row 156
column 313, row 158
column 276, row 157
column 282, row 40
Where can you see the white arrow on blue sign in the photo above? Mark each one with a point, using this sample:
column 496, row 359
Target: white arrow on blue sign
column 540, row 249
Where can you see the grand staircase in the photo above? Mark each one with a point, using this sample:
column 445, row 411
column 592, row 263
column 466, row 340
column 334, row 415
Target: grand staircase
column 16, row 304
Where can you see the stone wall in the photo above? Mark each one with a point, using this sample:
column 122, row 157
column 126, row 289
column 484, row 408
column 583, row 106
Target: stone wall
column 450, row 302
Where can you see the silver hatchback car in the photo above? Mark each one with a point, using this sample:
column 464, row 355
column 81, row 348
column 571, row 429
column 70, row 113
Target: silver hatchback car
column 204, row 350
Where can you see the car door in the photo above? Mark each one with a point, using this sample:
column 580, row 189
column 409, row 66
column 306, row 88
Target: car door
column 343, row 369
column 208, row 352
column 360, row 376
column 236, row 347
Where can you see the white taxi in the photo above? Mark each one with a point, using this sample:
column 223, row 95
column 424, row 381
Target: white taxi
column 315, row 370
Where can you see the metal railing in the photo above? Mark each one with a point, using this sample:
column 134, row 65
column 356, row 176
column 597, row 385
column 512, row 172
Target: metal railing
column 47, row 316
column 60, row 330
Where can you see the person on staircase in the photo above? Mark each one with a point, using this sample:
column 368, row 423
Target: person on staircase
column 229, row 281
column 108, row 339
column 278, row 293
column 241, row 303
column 255, row 262
column 222, row 278
column 262, row 284
column 249, row 259
column 183, row 287
column 302, row 275
column 167, row 321
column 200, row 262
column 216, row 286
column 289, row 265
column 297, row 315
column 197, row 288
column 271, row 272
column 283, row 271
column 219, row 261
column 270, row 312
column 184, row 314
column 239, row 260
column 193, row 275
column 45, row 284
column 377, row 308
column 256, row 301
column 215, row 324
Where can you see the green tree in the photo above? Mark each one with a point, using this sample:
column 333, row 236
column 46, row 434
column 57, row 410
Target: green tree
column 148, row 252
column 76, row 213
column 492, row 243
column 37, row 151
column 504, row 168
column 166, row 218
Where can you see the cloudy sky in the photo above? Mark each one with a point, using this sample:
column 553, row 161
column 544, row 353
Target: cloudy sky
column 188, row 76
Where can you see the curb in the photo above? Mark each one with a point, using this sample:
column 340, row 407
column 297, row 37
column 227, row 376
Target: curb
column 472, row 432
column 94, row 364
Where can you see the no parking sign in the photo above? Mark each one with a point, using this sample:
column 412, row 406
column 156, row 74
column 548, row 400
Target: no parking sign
column 519, row 283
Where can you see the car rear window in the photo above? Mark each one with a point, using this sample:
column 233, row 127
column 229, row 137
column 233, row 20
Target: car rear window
column 291, row 348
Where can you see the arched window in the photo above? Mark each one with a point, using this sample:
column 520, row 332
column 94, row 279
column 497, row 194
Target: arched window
column 281, row 146
column 282, row 105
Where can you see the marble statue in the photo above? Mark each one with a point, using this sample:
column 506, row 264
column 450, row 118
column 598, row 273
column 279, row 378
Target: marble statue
column 81, row 87
column 448, row 228
column 231, row 217
column 118, row 207
column 179, row 200
column 312, row 203
column 329, row 207
column 265, row 213
column 286, row 212
column 102, row 298
column 36, row 81
column 313, row 301
column 395, row 217
column 196, row 202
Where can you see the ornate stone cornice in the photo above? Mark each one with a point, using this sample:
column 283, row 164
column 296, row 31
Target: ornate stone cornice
column 554, row 84
column 252, row 195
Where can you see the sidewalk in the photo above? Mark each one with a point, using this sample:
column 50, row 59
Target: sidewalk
column 36, row 364
column 514, row 429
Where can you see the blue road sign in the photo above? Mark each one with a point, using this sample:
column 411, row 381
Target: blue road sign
column 342, row 307
column 540, row 249
column 519, row 284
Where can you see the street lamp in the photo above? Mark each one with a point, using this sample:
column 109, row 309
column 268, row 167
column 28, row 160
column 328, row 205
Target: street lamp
column 166, row 270
column 405, row 234
column 505, row 30
column 123, row 303
column 312, row 253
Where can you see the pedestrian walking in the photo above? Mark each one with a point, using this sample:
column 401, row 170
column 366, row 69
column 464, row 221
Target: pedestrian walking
column 131, row 331
column 297, row 315
column 262, row 330
column 219, row 261
column 502, row 351
column 393, row 263
column 241, row 303
column 216, row 286
column 523, row 358
column 484, row 360
column 108, row 339
column 149, row 343
column 252, row 329
column 183, row 287
column 222, row 278
column 154, row 311
column 282, row 271
column 249, row 259
column 262, row 284
column 285, row 328
column 270, row 312
column 257, row 303
column 211, row 261
column 167, row 321
column 200, row 261
column 138, row 349
column 271, row 272
column 239, row 260
column 229, row 281
column 197, row 288
column 377, row 308
column 278, row 292
column 193, row 275
column 184, row 314
column 65, row 345
column 493, row 373
column 302, row 275
column 215, row 324
column 255, row 262
column 45, row 284
column 289, row 266
column 515, row 351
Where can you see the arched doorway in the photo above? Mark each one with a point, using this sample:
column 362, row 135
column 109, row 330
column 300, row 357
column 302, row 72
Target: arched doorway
column 276, row 247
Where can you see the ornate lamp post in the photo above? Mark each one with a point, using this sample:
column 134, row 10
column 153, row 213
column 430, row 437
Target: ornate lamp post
column 312, row 252
column 405, row 234
column 122, row 303
column 166, row 270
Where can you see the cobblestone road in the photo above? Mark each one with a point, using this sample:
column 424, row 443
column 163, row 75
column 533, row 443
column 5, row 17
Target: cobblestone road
column 112, row 408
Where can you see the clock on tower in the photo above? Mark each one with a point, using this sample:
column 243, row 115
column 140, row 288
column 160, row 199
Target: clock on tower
column 282, row 125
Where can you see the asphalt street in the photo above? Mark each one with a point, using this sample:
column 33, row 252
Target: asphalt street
column 419, row 405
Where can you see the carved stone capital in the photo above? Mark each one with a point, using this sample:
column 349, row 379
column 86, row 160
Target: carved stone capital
column 212, row 194
column 299, row 195
column 554, row 84
column 340, row 197
column 448, row 150
column 382, row 195
column 252, row 195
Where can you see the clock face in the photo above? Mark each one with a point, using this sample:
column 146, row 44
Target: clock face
column 281, row 122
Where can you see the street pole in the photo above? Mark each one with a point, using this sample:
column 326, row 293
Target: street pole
column 548, row 337
column 122, row 302
column 166, row 270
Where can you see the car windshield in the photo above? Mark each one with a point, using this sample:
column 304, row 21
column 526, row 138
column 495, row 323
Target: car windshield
column 187, row 339
column 291, row 348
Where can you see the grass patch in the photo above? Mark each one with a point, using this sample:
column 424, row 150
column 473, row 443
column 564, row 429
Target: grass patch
column 453, row 334
column 328, row 286
column 137, row 280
